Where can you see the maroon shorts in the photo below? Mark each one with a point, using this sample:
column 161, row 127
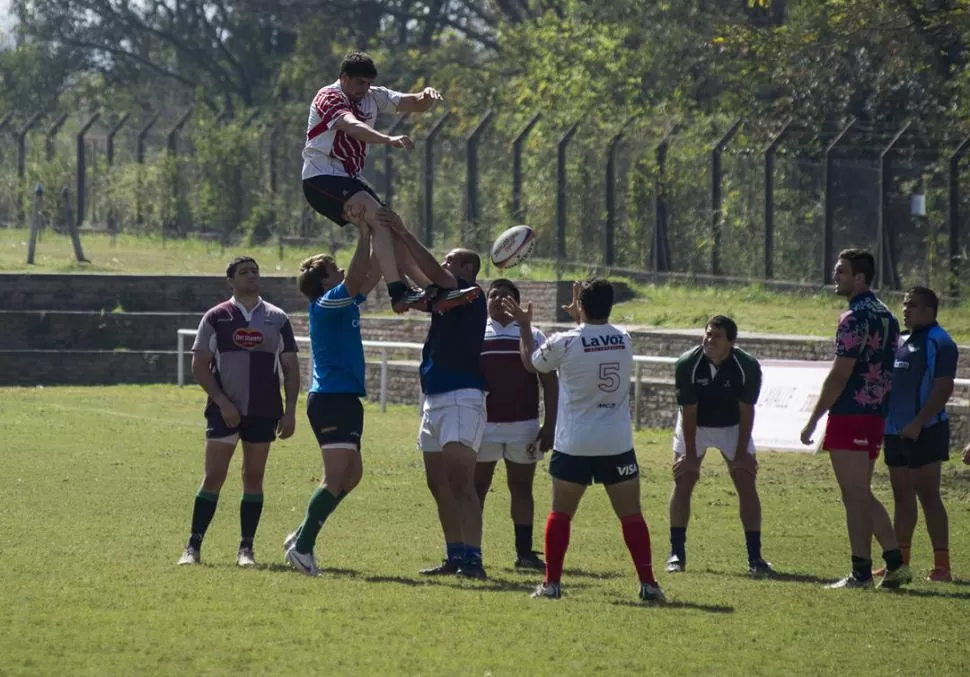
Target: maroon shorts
column 862, row 432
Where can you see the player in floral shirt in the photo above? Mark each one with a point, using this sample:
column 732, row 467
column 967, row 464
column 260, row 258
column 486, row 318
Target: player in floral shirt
column 856, row 394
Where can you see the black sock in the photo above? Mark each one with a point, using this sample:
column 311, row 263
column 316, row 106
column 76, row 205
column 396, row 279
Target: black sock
column 893, row 559
column 861, row 568
column 250, row 509
column 678, row 539
column 202, row 512
column 396, row 290
column 752, row 540
column 523, row 539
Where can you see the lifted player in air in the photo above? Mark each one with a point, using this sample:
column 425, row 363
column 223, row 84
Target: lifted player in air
column 339, row 129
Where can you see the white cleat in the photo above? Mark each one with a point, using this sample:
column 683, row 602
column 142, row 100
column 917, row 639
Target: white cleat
column 304, row 563
column 290, row 541
column 547, row 590
column 190, row 556
column 246, row 558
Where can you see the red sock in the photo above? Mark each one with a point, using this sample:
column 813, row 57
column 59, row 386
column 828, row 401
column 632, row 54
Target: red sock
column 557, row 540
column 637, row 538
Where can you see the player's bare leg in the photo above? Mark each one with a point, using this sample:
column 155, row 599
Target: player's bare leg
column 744, row 474
column 625, row 498
column 361, row 210
column 460, row 462
column 927, row 483
column 484, row 472
column 905, row 509
column 520, row 478
column 218, row 455
column 436, row 475
column 866, row 516
column 255, row 455
column 686, row 475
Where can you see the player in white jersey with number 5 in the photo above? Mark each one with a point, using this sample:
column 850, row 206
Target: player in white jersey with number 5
column 594, row 434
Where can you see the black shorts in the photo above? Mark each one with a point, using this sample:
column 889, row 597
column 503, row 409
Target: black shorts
column 605, row 470
column 336, row 418
column 328, row 194
column 933, row 445
column 257, row 429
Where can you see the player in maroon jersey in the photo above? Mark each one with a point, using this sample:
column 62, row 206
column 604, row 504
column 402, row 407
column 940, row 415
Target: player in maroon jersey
column 512, row 430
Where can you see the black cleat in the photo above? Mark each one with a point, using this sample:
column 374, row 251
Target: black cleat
column 472, row 570
column 529, row 561
column 448, row 567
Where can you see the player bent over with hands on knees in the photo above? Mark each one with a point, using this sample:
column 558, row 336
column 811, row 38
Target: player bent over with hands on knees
column 512, row 429
column 717, row 389
column 453, row 413
column 340, row 127
column 855, row 393
column 594, row 433
column 918, row 428
column 333, row 404
column 234, row 359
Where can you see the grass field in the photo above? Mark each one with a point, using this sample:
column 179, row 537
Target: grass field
column 98, row 484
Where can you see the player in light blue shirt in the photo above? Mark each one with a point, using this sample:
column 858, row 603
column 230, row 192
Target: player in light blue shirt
column 333, row 404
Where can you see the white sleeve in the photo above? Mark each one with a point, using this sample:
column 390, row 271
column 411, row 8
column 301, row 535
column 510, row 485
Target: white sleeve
column 387, row 99
column 548, row 356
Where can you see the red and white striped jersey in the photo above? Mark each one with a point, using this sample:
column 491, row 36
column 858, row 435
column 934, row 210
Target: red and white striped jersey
column 331, row 152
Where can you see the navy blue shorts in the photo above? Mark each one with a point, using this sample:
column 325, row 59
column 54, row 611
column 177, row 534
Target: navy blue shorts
column 328, row 195
column 336, row 418
column 256, row 429
column 932, row 446
column 605, row 470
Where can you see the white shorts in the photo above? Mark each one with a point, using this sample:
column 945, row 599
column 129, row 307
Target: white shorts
column 724, row 440
column 526, row 453
column 458, row 416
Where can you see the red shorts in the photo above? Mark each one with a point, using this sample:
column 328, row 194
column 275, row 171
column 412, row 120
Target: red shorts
column 862, row 432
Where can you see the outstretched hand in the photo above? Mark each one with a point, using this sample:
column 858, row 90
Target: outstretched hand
column 516, row 312
column 573, row 308
column 403, row 141
column 391, row 220
column 430, row 97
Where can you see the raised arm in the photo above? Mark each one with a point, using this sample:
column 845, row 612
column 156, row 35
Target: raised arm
column 419, row 102
column 359, row 268
column 351, row 126
column 425, row 260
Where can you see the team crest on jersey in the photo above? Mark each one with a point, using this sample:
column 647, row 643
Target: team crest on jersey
column 247, row 338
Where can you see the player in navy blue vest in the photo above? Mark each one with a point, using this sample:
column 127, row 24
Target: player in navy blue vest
column 333, row 403
column 453, row 417
column 918, row 429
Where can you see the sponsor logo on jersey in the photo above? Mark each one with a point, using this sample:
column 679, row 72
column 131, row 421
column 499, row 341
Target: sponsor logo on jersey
column 593, row 344
column 247, row 338
column 627, row 470
column 860, row 442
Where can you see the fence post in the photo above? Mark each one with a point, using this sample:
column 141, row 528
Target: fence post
column 140, row 159
column 383, row 394
column 610, row 234
column 72, row 226
column 35, row 223
column 716, row 196
column 471, row 177
column 773, row 144
column 82, row 168
column 954, row 181
column 885, row 261
column 429, row 179
column 109, row 150
column 661, row 240
column 172, row 151
column 561, row 188
column 389, row 163
column 51, row 134
column 828, row 227
column 22, row 158
column 518, row 215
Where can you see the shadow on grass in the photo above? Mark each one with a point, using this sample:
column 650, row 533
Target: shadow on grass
column 782, row 576
column 493, row 584
column 277, row 567
column 677, row 604
column 598, row 575
column 911, row 592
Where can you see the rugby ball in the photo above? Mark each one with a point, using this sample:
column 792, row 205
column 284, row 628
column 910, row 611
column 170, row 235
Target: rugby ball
column 513, row 246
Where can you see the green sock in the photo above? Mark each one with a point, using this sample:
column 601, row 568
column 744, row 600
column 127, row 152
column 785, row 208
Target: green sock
column 322, row 503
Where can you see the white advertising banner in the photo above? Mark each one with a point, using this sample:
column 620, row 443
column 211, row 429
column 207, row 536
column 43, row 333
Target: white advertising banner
column 789, row 390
